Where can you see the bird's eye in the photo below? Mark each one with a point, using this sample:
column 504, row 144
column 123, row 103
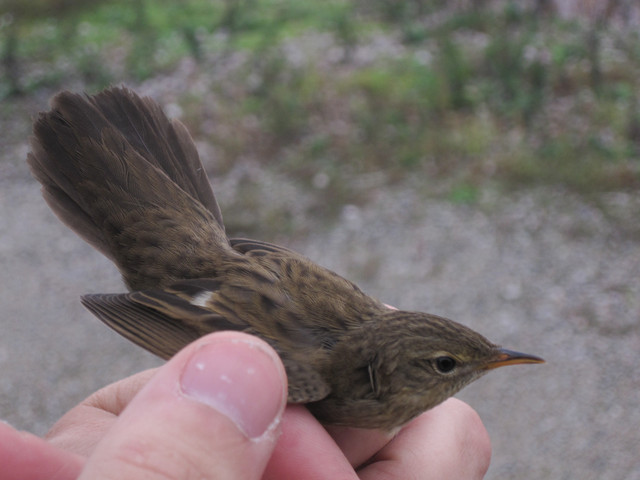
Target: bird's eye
column 445, row 364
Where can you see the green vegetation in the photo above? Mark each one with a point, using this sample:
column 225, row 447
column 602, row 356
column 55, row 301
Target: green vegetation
column 363, row 92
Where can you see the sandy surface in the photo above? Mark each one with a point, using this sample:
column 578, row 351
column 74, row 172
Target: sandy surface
column 539, row 271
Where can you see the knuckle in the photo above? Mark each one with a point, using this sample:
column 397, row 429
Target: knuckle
column 476, row 443
column 140, row 460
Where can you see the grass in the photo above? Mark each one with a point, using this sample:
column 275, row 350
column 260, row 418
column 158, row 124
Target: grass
column 460, row 98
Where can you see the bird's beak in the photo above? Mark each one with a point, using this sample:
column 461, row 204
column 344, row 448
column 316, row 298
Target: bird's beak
column 509, row 357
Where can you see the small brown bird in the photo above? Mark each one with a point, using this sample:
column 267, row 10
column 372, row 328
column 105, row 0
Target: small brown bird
column 129, row 181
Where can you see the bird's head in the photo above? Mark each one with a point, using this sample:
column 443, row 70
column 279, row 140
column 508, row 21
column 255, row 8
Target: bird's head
column 423, row 359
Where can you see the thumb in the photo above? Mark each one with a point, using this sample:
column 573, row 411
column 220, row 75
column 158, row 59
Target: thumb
column 213, row 411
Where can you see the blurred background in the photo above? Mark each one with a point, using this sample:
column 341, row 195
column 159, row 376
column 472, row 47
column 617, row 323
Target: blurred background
column 475, row 159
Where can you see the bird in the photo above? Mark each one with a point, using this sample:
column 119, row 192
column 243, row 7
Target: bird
column 129, row 181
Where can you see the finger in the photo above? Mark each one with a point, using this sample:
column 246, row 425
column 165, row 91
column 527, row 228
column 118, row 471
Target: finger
column 24, row 456
column 305, row 450
column 359, row 445
column 212, row 411
column 446, row 442
column 82, row 427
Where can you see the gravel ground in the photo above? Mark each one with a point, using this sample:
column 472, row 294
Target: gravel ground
column 540, row 271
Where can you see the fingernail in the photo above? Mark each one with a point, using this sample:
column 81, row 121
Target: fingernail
column 239, row 379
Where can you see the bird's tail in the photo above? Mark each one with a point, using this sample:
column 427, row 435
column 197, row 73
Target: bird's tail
column 129, row 181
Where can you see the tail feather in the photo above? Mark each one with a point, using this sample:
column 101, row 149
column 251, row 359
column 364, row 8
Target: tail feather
column 163, row 143
column 116, row 170
column 59, row 181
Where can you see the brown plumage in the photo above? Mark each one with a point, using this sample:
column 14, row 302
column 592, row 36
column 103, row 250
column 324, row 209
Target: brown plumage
column 130, row 182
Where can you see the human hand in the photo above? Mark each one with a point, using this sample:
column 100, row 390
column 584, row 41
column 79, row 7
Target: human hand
column 173, row 423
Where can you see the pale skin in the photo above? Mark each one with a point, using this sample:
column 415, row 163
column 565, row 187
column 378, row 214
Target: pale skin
column 168, row 423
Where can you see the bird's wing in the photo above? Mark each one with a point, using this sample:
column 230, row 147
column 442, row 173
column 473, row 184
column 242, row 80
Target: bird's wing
column 163, row 322
column 248, row 246
column 160, row 322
